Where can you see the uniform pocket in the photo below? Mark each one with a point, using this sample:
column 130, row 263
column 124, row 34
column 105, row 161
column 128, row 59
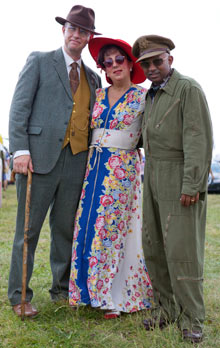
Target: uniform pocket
column 169, row 180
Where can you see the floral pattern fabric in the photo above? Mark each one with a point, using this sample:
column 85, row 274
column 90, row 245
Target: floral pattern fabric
column 108, row 268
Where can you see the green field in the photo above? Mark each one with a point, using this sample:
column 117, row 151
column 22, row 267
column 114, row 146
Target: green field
column 59, row 326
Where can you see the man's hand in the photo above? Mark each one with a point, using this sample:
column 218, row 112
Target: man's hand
column 187, row 200
column 22, row 163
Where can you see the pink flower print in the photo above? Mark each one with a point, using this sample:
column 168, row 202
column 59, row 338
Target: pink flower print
column 132, row 177
column 127, row 304
column 150, row 292
column 128, row 119
column 106, row 280
column 133, row 298
column 114, row 161
column 119, row 173
column 100, row 222
column 76, row 232
column 93, row 261
column 117, row 246
column 106, row 200
column 121, row 225
column 102, row 233
column 99, row 284
column 74, row 255
column 138, row 167
column 123, row 198
column 97, row 110
column 112, row 275
column 113, row 124
column 103, row 258
column 72, row 285
column 117, row 212
column 114, row 237
column 105, row 291
column 82, row 194
column 87, row 172
column 75, row 294
column 135, row 197
column 137, row 294
column 130, row 97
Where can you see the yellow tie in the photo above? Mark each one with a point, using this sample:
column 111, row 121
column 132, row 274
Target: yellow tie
column 74, row 77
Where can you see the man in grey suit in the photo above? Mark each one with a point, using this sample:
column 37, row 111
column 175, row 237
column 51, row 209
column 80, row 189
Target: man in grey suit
column 49, row 135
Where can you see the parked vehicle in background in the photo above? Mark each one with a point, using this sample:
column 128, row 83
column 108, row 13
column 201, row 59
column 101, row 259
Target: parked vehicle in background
column 214, row 178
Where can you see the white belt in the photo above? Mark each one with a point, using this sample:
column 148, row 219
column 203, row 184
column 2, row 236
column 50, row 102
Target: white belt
column 120, row 139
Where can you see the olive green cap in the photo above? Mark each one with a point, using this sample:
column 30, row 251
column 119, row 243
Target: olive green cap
column 151, row 45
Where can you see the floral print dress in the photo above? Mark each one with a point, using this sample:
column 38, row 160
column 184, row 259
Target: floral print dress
column 108, row 268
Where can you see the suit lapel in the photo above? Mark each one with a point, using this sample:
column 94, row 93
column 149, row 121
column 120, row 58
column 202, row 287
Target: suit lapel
column 60, row 67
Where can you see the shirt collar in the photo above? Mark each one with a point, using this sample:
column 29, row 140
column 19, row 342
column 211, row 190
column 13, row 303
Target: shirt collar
column 69, row 60
column 163, row 84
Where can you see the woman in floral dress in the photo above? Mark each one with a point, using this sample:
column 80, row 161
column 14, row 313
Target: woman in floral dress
column 108, row 270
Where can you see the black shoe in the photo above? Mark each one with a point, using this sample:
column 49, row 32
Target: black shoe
column 192, row 336
column 151, row 324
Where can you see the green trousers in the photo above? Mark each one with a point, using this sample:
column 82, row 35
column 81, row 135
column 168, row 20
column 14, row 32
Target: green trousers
column 58, row 191
column 173, row 242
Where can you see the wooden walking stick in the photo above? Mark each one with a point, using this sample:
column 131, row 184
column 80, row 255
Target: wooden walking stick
column 25, row 247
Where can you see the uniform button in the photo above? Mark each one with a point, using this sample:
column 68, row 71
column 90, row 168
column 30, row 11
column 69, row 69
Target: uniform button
column 74, row 111
column 68, row 139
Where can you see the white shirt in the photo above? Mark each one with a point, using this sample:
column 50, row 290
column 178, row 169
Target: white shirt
column 68, row 61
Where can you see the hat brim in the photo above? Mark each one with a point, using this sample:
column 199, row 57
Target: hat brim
column 137, row 75
column 149, row 55
column 63, row 21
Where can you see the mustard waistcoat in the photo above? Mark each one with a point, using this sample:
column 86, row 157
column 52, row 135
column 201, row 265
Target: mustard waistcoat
column 77, row 129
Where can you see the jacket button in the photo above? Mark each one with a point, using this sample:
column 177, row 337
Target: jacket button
column 60, row 139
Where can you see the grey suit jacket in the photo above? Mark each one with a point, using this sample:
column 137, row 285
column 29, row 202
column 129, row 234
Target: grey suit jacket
column 41, row 108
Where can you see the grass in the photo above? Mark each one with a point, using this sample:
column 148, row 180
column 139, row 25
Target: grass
column 59, row 326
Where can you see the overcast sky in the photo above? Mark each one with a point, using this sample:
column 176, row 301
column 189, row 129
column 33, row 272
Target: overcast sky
column 193, row 25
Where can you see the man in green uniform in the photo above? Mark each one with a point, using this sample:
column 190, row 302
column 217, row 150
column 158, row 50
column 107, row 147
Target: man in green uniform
column 177, row 136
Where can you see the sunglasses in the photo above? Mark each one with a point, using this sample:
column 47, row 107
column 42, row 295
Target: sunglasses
column 156, row 62
column 109, row 62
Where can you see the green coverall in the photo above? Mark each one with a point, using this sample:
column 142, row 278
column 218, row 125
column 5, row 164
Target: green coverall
column 177, row 136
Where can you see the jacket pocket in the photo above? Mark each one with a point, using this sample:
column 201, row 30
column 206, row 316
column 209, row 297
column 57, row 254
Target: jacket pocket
column 168, row 112
column 36, row 130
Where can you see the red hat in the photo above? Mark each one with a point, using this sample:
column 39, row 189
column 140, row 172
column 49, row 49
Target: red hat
column 95, row 44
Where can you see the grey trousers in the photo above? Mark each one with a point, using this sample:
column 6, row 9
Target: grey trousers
column 60, row 191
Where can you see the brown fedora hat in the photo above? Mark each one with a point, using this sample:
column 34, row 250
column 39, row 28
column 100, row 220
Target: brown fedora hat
column 80, row 16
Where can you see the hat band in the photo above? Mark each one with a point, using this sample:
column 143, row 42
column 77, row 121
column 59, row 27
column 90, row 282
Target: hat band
column 154, row 50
